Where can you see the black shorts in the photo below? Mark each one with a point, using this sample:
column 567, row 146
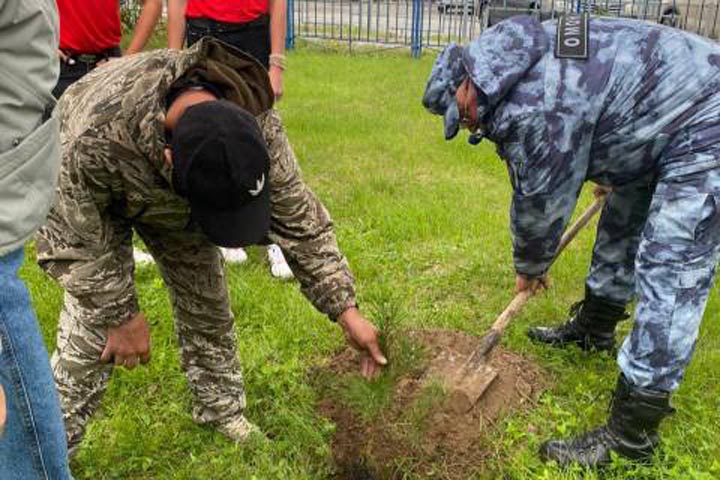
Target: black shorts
column 252, row 37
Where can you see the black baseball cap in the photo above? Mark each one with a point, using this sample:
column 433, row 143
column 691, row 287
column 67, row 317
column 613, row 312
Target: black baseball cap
column 221, row 165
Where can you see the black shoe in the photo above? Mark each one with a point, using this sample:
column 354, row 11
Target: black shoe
column 591, row 325
column 631, row 430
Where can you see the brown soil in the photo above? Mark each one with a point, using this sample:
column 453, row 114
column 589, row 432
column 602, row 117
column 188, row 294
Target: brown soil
column 443, row 444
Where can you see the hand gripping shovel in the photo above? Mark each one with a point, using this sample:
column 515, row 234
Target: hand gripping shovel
column 473, row 378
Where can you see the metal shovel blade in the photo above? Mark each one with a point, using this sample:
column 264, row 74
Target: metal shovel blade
column 468, row 387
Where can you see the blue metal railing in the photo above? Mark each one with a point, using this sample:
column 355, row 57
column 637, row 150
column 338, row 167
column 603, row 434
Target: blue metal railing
column 420, row 24
column 416, row 37
column 290, row 34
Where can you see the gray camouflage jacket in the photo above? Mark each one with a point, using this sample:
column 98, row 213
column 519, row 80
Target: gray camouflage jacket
column 559, row 122
column 113, row 179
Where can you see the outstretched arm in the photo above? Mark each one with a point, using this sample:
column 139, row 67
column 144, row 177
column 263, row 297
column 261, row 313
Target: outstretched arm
column 547, row 177
column 302, row 227
column 149, row 16
column 176, row 23
column 278, row 29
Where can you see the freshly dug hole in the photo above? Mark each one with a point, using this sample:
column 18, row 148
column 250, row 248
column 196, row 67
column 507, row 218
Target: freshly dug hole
column 416, row 433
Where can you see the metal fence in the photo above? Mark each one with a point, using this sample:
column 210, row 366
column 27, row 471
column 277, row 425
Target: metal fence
column 422, row 24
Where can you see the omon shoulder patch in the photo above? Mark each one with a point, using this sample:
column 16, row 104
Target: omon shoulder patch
column 572, row 36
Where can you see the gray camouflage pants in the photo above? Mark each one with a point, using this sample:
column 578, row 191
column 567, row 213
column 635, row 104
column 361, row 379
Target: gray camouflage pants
column 193, row 272
column 662, row 244
column 612, row 272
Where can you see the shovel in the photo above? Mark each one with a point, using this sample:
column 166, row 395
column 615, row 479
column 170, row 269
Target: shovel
column 475, row 376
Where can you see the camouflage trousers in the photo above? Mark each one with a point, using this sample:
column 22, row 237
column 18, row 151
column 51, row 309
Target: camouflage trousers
column 612, row 272
column 660, row 243
column 194, row 274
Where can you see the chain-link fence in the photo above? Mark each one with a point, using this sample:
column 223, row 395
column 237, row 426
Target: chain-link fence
column 434, row 23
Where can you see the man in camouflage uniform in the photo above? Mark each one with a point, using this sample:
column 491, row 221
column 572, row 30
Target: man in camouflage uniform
column 118, row 175
column 642, row 115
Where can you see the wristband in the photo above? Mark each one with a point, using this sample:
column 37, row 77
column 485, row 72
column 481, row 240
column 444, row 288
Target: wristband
column 278, row 60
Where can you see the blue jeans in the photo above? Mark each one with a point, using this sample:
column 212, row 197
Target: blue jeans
column 33, row 443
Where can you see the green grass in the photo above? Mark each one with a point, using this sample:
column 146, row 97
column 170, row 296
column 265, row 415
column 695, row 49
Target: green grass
column 424, row 224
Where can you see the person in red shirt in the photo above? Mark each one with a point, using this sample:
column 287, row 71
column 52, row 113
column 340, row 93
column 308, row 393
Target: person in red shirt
column 90, row 33
column 256, row 27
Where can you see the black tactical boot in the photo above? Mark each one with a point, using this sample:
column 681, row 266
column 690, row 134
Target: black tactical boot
column 631, row 431
column 591, row 325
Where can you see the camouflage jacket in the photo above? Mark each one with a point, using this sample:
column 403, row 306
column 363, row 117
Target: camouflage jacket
column 113, row 179
column 612, row 118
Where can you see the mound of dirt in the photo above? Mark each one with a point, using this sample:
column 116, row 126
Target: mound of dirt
column 435, row 441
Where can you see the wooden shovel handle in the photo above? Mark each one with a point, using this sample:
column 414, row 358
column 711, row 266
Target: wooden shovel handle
column 521, row 298
column 513, row 308
column 492, row 338
column 572, row 231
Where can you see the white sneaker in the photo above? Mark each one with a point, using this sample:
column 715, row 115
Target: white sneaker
column 234, row 255
column 239, row 429
column 142, row 258
column 278, row 265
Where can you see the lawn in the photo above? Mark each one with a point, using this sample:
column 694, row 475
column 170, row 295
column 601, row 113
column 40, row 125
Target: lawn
column 424, row 224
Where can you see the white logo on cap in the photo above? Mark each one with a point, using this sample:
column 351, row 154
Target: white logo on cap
column 259, row 184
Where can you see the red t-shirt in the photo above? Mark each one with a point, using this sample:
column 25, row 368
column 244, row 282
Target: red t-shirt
column 228, row 11
column 89, row 26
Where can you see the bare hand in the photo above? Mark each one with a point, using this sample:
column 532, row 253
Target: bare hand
column 361, row 334
column 128, row 344
column 276, row 80
column 64, row 58
column 533, row 285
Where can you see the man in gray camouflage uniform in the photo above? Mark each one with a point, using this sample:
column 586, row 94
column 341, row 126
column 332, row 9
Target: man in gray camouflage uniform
column 142, row 138
column 640, row 114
